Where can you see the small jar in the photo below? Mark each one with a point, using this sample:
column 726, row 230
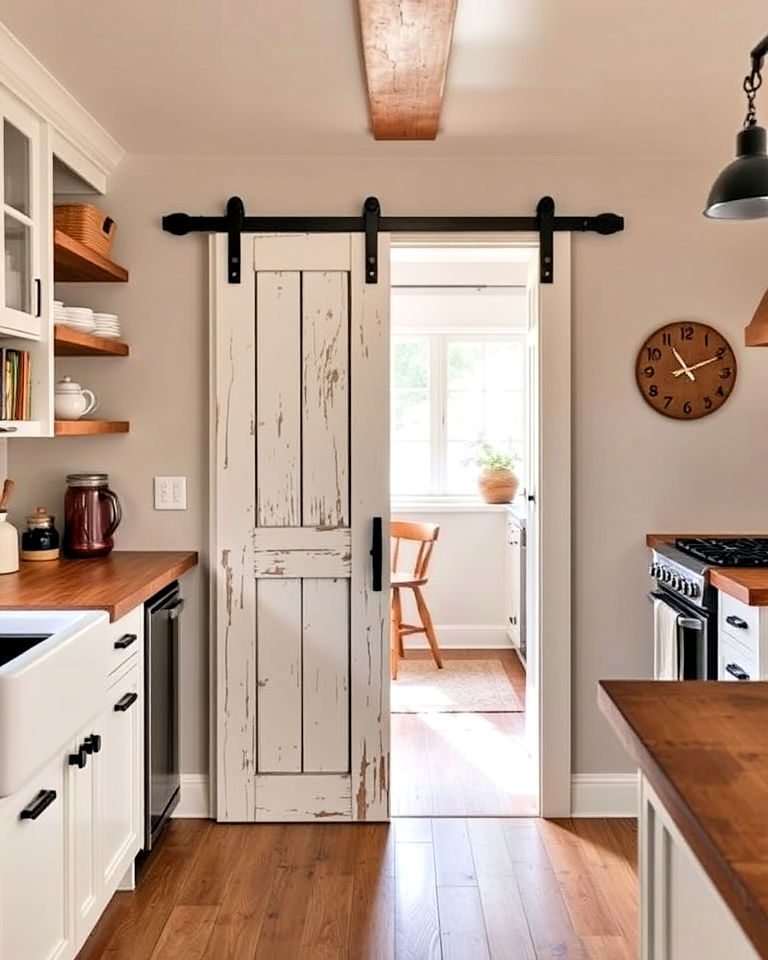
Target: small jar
column 9, row 545
column 40, row 541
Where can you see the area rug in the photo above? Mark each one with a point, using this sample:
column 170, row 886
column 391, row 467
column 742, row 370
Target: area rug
column 462, row 686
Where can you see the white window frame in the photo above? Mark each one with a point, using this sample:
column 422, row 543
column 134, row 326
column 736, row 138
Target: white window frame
column 438, row 403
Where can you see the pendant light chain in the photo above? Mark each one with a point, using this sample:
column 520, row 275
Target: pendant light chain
column 752, row 83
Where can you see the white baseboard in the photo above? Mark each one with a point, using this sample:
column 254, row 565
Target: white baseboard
column 464, row 637
column 604, row 795
column 194, row 802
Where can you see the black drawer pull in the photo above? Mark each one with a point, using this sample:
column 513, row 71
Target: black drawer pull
column 125, row 702
column 125, row 641
column 736, row 671
column 92, row 744
column 41, row 802
column 737, row 622
column 80, row 758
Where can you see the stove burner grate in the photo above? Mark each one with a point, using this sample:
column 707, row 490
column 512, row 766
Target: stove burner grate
column 731, row 552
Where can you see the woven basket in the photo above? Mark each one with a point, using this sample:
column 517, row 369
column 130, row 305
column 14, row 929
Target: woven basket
column 86, row 223
column 498, row 486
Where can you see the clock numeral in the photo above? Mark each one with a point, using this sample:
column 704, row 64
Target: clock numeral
column 720, row 392
column 649, row 372
column 707, row 403
column 653, row 390
column 725, row 373
column 706, row 339
column 667, row 401
column 686, row 333
column 666, row 339
column 720, row 353
column 653, row 353
column 687, row 408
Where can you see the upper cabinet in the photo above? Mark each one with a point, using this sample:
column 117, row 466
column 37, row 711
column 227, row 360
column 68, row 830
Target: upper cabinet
column 25, row 277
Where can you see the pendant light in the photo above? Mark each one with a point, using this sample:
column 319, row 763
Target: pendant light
column 741, row 190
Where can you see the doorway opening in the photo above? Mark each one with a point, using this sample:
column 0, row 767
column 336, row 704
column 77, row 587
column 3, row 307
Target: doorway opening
column 464, row 409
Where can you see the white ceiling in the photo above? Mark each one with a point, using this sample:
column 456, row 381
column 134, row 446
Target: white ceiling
column 533, row 77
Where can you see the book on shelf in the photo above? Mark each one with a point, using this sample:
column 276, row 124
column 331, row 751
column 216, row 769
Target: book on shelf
column 15, row 384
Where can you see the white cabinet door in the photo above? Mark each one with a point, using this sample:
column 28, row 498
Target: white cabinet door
column 24, row 280
column 34, row 872
column 512, row 583
column 83, row 764
column 120, row 778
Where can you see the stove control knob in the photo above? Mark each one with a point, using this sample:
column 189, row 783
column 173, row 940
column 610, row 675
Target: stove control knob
column 685, row 586
column 674, row 581
column 695, row 591
column 654, row 570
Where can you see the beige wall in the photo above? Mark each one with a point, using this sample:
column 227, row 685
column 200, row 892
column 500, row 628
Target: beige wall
column 633, row 470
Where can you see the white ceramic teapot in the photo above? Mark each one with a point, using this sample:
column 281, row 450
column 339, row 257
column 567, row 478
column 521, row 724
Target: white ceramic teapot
column 71, row 401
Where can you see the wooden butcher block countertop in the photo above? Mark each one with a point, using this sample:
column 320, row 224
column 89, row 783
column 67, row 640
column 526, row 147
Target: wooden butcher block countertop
column 117, row 583
column 748, row 584
column 704, row 749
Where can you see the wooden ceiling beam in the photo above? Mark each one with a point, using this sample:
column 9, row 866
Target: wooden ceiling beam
column 406, row 44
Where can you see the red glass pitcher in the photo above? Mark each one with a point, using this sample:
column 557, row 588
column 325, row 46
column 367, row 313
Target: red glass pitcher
column 92, row 513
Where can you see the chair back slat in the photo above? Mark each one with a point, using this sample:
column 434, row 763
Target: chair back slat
column 425, row 534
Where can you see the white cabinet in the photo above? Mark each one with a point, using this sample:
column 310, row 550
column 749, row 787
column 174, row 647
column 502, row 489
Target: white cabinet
column 71, row 834
column 682, row 915
column 513, row 611
column 742, row 640
column 25, row 281
column 35, row 921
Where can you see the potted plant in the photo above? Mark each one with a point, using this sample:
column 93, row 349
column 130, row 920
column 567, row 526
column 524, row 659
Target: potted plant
column 497, row 480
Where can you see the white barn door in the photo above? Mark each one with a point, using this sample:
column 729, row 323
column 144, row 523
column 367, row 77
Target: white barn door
column 301, row 366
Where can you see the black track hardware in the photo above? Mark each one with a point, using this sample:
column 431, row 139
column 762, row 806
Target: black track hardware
column 235, row 223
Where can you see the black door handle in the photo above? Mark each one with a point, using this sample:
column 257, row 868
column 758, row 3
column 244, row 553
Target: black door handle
column 41, row 802
column 92, row 744
column 737, row 622
column 377, row 555
column 38, row 297
column 80, row 758
column 736, row 671
column 125, row 702
column 125, row 641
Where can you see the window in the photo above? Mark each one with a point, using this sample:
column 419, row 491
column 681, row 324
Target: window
column 450, row 389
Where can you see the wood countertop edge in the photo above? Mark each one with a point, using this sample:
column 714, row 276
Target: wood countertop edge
column 749, row 912
column 129, row 595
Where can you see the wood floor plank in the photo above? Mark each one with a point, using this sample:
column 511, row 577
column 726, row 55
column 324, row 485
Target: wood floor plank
column 186, row 934
column 372, row 925
column 326, row 926
column 417, row 925
column 220, row 854
column 240, row 919
column 454, row 866
column 462, row 927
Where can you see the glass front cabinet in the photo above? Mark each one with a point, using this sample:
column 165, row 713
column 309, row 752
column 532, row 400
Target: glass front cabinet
column 26, row 220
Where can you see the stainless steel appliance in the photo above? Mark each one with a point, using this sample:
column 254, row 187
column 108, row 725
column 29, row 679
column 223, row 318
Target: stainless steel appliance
column 161, row 722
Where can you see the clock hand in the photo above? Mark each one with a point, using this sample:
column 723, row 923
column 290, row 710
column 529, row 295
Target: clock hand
column 677, row 373
column 684, row 365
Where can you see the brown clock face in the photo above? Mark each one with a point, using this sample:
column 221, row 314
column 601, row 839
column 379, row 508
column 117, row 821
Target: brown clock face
column 686, row 370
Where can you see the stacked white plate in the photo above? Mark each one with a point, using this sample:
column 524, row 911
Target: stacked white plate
column 59, row 312
column 106, row 325
column 79, row 318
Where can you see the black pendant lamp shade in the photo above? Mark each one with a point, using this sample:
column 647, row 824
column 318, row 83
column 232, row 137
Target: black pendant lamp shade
column 741, row 190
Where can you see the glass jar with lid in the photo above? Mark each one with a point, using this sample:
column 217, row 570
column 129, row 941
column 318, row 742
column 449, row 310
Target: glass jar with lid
column 40, row 541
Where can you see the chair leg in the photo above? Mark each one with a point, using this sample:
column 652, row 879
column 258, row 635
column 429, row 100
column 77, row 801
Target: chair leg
column 399, row 618
column 429, row 629
column 395, row 628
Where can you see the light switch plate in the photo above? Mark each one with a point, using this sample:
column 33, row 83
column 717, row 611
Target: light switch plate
column 170, row 493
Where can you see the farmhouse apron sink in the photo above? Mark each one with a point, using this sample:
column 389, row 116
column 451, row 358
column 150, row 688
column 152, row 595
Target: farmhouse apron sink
column 53, row 669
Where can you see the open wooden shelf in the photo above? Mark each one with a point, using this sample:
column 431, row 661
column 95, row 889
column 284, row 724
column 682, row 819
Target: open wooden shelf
column 72, row 261
column 74, row 343
column 89, row 428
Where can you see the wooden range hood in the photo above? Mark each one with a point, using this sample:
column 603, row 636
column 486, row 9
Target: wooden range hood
column 756, row 332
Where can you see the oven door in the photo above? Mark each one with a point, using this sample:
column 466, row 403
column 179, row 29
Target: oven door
column 687, row 645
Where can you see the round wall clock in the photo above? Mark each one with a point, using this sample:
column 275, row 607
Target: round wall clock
column 686, row 370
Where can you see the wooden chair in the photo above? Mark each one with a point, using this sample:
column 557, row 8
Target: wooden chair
column 425, row 534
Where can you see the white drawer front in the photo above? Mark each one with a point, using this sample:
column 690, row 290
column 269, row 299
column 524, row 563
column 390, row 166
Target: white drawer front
column 740, row 621
column 126, row 638
column 736, row 662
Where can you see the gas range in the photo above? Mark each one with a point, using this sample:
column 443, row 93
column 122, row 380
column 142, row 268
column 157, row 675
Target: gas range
column 683, row 575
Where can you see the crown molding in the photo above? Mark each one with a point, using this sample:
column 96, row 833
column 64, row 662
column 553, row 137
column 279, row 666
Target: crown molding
column 26, row 77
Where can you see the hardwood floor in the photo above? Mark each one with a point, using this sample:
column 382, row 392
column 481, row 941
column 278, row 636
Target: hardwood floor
column 463, row 764
column 419, row 889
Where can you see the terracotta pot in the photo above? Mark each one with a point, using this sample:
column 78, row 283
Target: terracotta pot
column 498, row 486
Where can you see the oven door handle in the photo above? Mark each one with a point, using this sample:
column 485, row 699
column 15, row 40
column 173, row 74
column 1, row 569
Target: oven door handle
column 683, row 620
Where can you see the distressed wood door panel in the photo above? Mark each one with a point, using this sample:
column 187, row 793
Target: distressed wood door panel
column 310, row 737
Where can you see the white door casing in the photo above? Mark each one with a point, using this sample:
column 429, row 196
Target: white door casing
column 300, row 352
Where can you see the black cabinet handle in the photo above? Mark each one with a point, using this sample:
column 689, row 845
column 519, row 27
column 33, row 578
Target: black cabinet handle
column 92, row 744
column 377, row 554
column 38, row 297
column 737, row 622
column 125, row 702
column 125, row 641
column 80, row 758
column 736, row 671
column 41, row 802
column 175, row 609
